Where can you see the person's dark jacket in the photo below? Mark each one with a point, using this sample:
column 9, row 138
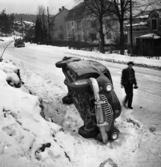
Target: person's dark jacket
column 125, row 77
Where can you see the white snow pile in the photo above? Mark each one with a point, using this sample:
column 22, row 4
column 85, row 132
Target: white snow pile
column 5, row 41
column 32, row 135
column 28, row 139
column 25, row 134
column 142, row 61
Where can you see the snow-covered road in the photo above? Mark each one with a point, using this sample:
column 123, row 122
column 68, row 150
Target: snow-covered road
column 146, row 99
column 137, row 146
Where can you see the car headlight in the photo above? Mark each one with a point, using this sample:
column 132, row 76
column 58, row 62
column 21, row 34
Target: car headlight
column 114, row 135
column 108, row 87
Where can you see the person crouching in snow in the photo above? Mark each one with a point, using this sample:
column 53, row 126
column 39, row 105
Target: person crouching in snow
column 127, row 81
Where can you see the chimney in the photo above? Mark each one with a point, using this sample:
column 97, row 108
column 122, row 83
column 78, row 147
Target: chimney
column 62, row 7
column 59, row 9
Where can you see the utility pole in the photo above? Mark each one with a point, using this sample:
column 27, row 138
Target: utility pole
column 131, row 33
column 48, row 23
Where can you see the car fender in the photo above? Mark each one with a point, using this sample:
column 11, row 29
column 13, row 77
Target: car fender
column 79, row 85
column 62, row 63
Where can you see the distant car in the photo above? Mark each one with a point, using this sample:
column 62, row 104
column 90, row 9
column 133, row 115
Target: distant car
column 90, row 88
column 19, row 43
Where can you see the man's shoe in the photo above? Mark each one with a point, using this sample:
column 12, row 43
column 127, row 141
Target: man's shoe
column 130, row 107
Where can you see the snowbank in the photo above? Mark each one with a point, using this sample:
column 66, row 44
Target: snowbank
column 29, row 140
column 23, row 131
column 141, row 61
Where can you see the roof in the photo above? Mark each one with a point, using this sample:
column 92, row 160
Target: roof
column 76, row 12
column 138, row 24
column 158, row 11
column 60, row 12
column 142, row 20
column 85, row 67
column 150, row 36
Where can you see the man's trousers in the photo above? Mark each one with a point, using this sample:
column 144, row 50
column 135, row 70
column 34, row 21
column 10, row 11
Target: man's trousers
column 129, row 94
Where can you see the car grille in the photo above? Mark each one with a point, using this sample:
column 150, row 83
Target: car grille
column 107, row 110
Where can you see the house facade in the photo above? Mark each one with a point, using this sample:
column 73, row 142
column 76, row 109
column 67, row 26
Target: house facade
column 147, row 34
column 75, row 23
column 146, row 24
column 82, row 27
column 59, row 31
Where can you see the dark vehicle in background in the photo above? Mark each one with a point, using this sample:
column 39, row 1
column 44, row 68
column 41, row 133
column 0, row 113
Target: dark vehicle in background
column 19, row 43
column 90, row 88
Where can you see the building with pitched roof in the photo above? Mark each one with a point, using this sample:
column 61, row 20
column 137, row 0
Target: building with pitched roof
column 149, row 22
column 83, row 27
column 59, row 32
column 147, row 33
column 74, row 23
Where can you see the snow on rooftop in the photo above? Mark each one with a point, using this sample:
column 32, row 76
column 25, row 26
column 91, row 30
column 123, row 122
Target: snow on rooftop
column 28, row 22
column 143, row 16
column 151, row 35
column 138, row 24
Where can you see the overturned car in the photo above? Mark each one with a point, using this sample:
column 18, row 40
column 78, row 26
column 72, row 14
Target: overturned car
column 90, row 88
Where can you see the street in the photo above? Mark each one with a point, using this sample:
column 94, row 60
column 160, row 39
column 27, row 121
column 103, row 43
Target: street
column 146, row 101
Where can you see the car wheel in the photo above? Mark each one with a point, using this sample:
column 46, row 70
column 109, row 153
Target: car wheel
column 88, row 133
column 67, row 100
column 61, row 64
column 114, row 134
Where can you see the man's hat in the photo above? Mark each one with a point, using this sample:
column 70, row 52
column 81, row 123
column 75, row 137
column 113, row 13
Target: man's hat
column 130, row 62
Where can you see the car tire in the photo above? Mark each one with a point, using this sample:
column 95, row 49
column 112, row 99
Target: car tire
column 114, row 131
column 67, row 100
column 61, row 64
column 88, row 134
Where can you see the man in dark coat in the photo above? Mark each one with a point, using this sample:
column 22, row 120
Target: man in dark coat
column 127, row 81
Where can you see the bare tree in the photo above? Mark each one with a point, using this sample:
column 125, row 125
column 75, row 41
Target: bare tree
column 81, row 31
column 50, row 25
column 46, row 22
column 99, row 10
column 42, row 14
column 43, row 23
column 126, row 11
column 121, row 9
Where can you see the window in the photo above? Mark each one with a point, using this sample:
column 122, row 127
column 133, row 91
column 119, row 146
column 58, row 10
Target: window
column 154, row 24
column 93, row 36
column 73, row 32
column 93, row 24
column 108, row 35
column 60, row 27
column 68, row 25
column 108, row 75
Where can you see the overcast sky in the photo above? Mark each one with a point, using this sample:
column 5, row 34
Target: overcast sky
column 31, row 6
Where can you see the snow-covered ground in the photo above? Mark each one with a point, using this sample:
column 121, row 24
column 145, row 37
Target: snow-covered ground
column 29, row 140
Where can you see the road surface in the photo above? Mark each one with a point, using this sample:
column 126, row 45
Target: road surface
column 147, row 98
